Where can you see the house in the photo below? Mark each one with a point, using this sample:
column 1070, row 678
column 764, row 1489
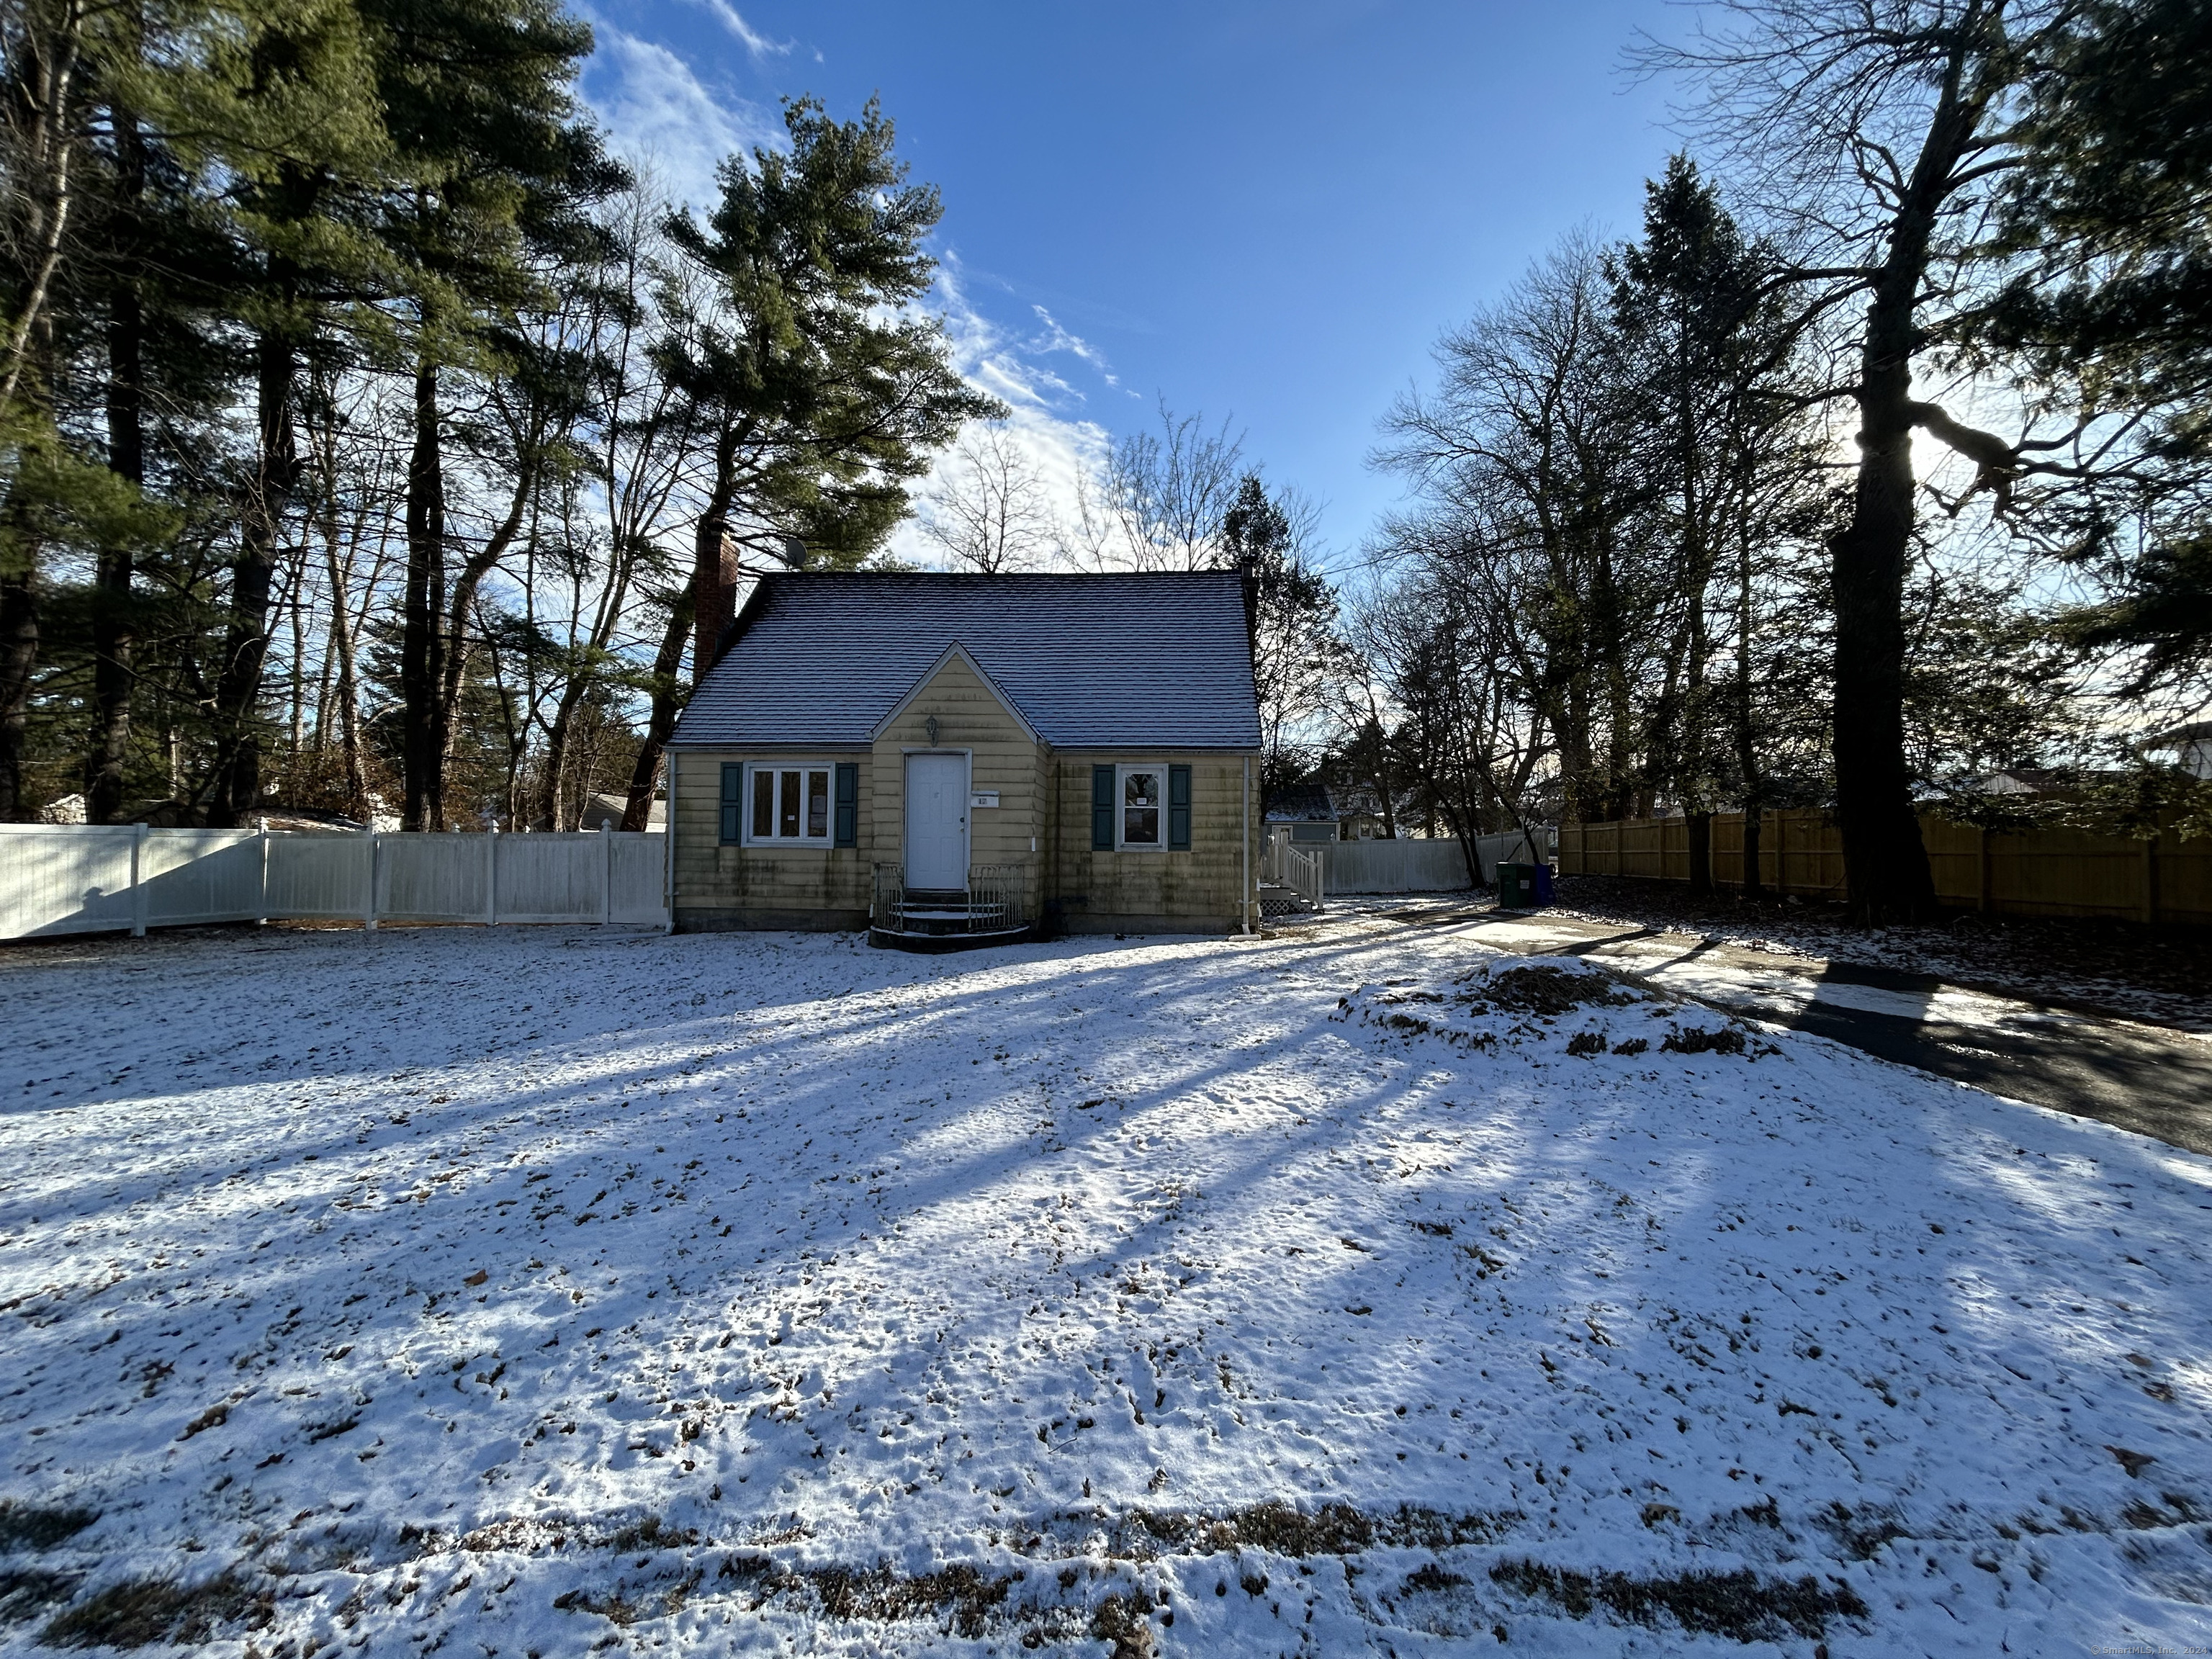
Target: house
column 603, row 812
column 936, row 756
column 2190, row 746
column 1305, row 812
column 1359, row 814
column 2039, row 780
column 1309, row 812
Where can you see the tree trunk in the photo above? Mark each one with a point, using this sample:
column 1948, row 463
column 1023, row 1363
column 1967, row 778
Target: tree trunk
column 1746, row 737
column 42, row 86
column 547, row 812
column 19, row 653
column 348, row 691
column 1699, row 826
column 667, row 702
column 111, row 631
column 422, row 636
column 1884, row 862
column 237, row 783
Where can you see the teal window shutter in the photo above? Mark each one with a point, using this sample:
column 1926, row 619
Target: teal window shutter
column 1179, row 809
column 733, row 796
column 1102, row 808
column 849, row 804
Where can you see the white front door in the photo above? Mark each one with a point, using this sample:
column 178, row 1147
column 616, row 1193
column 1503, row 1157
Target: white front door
column 936, row 822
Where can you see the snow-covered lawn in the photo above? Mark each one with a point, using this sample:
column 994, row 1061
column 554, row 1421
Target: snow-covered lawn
column 538, row 1290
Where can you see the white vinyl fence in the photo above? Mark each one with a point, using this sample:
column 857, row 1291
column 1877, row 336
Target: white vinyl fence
column 81, row 878
column 1404, row 867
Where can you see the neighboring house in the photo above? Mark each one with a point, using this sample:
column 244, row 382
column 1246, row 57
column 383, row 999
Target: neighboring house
column 605, row 812
column 1311, row 813
column 2190, row 746
column 1359, row 814
column 1305, row 811
column 2039, row 780
column 931, row 754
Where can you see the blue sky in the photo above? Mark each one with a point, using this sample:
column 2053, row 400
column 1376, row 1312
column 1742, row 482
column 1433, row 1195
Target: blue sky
column 1266, row 211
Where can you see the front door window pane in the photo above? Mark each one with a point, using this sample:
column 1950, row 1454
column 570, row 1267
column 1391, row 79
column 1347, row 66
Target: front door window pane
column 763, row 805
column 818, row 805
column 1140, row 809
column 787, row 816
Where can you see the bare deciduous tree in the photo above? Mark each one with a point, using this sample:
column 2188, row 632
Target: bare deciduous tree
column 1167, row 492
column 1877, row 133
column 988, row 509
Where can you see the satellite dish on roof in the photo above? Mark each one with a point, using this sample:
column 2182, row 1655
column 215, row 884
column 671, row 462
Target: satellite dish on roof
column 794, row 552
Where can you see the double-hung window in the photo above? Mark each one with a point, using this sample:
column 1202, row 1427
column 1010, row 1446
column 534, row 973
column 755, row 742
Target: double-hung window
column 788, row 804
column 1140, row 808
column 1144, row 803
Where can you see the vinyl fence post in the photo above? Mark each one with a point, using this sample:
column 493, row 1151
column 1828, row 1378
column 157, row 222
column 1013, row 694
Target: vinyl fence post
column 491, row 877
column 375, row 842
column 263, row 919
column 137, row 881
column 606, row 875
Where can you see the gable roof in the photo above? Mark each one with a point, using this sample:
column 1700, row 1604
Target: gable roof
column 1159, row 660
column 954, row 653
column 1301, row 803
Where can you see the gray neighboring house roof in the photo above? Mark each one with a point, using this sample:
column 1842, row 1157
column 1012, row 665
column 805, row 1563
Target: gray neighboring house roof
column 1160, row 660
column 1301, row 803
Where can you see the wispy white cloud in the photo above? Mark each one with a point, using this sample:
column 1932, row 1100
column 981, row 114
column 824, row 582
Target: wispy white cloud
column 1056, row 338
column 758, row 44
column 658, row 113
column 1063, row 447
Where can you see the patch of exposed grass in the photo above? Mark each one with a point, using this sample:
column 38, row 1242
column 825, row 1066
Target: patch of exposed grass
column 27, row 1592
column 880, row 1596
column 40, row 1526
column 1549, row 991
column 1125, row 1621
column 1740, row 1605
column 1284, row 1530
column 650, row 1534
column 1696, row 1040
column 141, row 1611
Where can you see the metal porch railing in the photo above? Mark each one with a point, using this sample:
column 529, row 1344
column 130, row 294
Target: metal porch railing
column 993, row 901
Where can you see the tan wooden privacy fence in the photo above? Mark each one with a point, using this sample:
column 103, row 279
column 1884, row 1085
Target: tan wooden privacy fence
column 2029, row 873
column 81, row 878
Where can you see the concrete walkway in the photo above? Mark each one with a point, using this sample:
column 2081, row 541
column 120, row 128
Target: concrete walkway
column 2144, row 1078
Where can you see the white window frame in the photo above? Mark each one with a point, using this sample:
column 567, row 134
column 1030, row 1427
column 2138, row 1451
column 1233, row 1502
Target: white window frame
column 1121, row 841
column 755, row 769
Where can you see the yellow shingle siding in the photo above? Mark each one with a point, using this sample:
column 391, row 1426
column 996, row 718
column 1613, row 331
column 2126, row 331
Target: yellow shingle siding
column 1150, row 890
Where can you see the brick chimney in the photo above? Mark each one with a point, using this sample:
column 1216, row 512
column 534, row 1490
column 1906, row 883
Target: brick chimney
column 714, row 597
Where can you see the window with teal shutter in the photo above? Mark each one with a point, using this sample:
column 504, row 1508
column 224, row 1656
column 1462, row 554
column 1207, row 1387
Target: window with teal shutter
column 1102, row 808
column 849, row 804
column 734, row 798
column 1179, row 809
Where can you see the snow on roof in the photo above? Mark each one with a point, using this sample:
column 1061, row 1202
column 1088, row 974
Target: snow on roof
column 1160, row 660
column 1301, row 803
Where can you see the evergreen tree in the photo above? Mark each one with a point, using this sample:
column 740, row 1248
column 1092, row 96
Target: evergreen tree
column 817, row 394
column 492, row 171
column 1293, row 610
column 2112, row 216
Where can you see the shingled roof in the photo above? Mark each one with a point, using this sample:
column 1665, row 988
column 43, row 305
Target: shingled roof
column 1161, row 661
